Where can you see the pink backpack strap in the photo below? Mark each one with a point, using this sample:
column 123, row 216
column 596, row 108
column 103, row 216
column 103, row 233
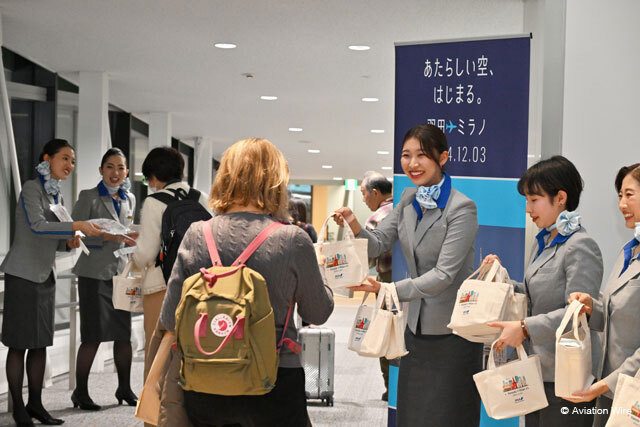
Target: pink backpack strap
column 211, row 244
column 291, row 344
column 260, row 238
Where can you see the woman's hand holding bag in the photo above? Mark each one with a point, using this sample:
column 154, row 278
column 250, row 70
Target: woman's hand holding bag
column 346, row 261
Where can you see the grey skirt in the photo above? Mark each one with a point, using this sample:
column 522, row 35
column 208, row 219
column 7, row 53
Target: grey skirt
column 435, row 382
column 99, row 320
column 28, row 314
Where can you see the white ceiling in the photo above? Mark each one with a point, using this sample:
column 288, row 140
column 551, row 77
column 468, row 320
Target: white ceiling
column 159, row 55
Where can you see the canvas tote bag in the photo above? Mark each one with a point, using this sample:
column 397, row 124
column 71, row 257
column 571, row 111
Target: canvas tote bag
column 513, row 389
column 397, row 347
column 148, row 407
column 346, row 261
column 361, row 323
column 573, row 353
column 127, row 291
column 479, row 302
column 376, row 340
column 625, row 410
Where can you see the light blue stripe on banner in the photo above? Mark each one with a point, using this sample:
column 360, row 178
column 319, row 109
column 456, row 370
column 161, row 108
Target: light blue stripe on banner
column 498, row 201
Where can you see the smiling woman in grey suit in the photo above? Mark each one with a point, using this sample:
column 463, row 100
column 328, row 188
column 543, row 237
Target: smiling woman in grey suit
column 30, row 283
column 616, row 311
column 436, row 226
column 564, row 260
column 99, row 321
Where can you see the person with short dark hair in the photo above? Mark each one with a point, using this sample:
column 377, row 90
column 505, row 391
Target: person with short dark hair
column 298, row 211
column 99, row 320
column 162, row 171
column 564, row 260
column 30, row 278
column 615, row 313
column 436, row 226
column 376, row 194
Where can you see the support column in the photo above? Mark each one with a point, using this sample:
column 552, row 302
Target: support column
column 203, row 156
column 546, row 20
column 93, row 127
column 8, row 162
column 159, row 130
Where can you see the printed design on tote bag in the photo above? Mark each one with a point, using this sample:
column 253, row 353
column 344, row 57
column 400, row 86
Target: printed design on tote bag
column 635, row 410
column 363, row 323
column 221, row 325
column 470, row 297
column 514, row 383
column 133, row 291
column 336, row 260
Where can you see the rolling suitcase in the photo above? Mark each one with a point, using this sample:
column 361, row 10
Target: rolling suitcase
column 317, row 359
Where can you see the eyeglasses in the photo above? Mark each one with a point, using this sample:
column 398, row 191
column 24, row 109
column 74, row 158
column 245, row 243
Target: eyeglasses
column 145, row 181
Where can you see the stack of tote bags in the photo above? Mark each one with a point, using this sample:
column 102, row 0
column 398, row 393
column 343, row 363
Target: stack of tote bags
column 379, row 331
column 516, row 388
column 488, row 298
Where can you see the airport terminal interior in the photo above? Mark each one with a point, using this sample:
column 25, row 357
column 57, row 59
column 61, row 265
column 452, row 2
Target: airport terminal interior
column 324, row 82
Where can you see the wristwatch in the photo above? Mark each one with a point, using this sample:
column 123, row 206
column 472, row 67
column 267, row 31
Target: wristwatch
column 523, row 326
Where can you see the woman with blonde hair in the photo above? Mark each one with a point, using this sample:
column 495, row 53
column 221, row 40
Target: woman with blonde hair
column 249, row 194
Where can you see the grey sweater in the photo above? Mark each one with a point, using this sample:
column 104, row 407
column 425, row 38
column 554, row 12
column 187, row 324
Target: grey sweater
column 286, row 260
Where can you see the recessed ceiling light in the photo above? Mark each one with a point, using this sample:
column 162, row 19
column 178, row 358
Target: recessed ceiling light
column 386, row 168
column 377, row 130
column 268, row 98
column 327, row 167
column 370, row 100
column 338, row 178
column 225, row 45
column 359, row 47
column 382, row 152
column 313, row 151
column 295, row 129
column 138, row 173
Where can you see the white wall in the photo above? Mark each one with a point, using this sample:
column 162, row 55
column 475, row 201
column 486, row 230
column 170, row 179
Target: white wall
column 601, row 109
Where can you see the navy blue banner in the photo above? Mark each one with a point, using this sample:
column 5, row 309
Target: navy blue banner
column 477, row 92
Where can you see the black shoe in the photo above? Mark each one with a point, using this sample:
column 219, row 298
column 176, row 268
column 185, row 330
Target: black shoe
column 84, row 402
column 127, row 396
column 385, row 396
column 22, row 418
column 43, row 416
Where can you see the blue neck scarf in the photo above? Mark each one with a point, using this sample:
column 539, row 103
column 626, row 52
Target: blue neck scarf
column 103, row 191
column 51, row 186
column 432, row 197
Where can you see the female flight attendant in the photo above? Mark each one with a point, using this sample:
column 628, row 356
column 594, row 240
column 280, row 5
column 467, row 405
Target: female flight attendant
column 99, row 320
column 564, row 260
column 30, row 283
column 436, row 226
column 616, row 312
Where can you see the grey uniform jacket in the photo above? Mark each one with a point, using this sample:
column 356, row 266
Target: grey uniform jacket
column 439, row 251
column 101, row 264
column 38, row 234
column 572, row 266
column 616, row 314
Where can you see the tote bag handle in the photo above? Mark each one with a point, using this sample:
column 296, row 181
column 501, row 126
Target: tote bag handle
column 348, row 232
column 572, row 312
column 491, row 364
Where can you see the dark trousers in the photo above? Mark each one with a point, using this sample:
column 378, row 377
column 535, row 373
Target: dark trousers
column 285, row 405
column 553, row 416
